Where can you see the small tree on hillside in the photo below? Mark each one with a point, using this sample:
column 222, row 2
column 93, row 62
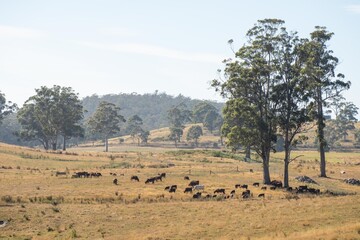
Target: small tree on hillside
column 106, row 121
column 178, row 116
column 194, row 133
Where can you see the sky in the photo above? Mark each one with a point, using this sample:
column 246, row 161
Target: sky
column 143, row 46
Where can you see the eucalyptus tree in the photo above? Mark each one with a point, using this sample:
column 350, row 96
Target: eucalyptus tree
column 211, row 120
column 250, row 112
column 106, row 121
column 178, row 116
column 194, row 133
column 293, row 99
column 322, row 81
column 6, row 108
column 134, row 128
column 51, row 113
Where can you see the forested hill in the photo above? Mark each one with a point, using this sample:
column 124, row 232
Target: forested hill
column 151, row 107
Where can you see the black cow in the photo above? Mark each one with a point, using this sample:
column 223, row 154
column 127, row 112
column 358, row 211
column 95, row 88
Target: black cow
column 244, row 186
column 188, row 189
column 220, row 190
column 186, row 178
column 261, row 195
column 197, row 195
column 115, row 181
column 163, row 175
column 256, row 184
column 150, row 180
column 167, row 188
column 232, row 192
column 194, row 183
column 135, row 178
column 263, row 188
column 237, row 185
column 276, row 183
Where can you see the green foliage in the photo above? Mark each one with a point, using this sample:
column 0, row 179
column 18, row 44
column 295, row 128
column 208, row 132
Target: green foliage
column 178, row 116
column 106, row 121
column 50, row 113
column 194, row 133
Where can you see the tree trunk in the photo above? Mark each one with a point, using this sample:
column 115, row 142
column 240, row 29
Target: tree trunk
column 248, row 153
column 266, row 167
column 64, row 144
column 266, row 172
column 321, row 137
column 286, row 172
column 106, row 145
column 54, row 146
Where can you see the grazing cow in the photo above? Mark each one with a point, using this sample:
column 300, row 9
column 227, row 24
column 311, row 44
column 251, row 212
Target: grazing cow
column 135, row 178
column 244, row 186
column 199, row 187
column 232, row 192
column 246, row 195
column 220, row 190
column 289, row 189
column 188, row 189
column 158, row 178
column 251, row 170
column 237, row 185
column 115, row 181
column 150, row 180
column 272, row 188
column 208, row 196
column 263, row 188
column 174, row 186
column 194, row 183
column 172, row 190
column 96, row 174
column 167, row 188
column 197, row 195
column 261, row 195
column 163, row 175
column 186, row 178
column 256, row 184
column 276, row 183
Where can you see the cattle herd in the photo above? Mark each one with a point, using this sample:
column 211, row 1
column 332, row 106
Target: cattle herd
column 199, row 189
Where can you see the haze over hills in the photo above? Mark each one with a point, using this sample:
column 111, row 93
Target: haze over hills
column 151, row 108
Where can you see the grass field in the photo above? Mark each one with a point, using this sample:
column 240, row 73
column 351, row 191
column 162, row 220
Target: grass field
column 39, row 205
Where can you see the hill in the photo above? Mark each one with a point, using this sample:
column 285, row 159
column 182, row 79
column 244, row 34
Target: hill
column 151, row 108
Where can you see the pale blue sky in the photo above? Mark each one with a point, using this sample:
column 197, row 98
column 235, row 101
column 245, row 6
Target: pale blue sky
column 141, row 46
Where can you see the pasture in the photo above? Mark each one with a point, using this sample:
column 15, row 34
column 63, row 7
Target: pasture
column 37, row 204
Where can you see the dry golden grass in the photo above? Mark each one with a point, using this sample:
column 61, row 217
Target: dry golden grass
column 39, row 205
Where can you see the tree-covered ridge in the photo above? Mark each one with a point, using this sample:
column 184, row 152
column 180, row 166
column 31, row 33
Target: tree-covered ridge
column 152, row 108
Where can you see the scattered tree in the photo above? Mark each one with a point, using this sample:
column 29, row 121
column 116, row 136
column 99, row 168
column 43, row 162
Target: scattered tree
column 106, row 121
column 194, row 133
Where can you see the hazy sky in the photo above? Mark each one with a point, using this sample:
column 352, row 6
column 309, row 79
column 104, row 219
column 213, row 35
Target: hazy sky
column 141, row 46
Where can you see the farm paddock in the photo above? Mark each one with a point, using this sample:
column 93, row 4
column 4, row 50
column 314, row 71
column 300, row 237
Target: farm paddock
column 37, row 203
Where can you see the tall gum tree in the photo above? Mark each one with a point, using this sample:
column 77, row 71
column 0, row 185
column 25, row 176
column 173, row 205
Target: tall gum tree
column 322, row 81
column 250, row 112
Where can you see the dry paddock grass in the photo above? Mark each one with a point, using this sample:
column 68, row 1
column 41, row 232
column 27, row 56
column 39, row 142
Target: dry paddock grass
column 39, row 205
